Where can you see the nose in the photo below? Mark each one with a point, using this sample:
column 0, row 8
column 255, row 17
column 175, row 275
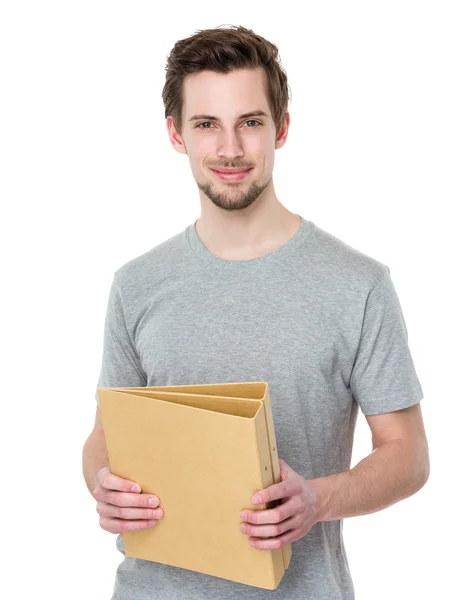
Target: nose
column 229, row 145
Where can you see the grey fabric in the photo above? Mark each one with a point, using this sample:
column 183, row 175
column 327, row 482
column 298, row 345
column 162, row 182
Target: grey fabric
column 317, row 319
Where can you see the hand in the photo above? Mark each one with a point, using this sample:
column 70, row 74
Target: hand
column 119, row 508
column 290, row 520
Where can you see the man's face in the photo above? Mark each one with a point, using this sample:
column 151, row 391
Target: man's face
column 223, row 138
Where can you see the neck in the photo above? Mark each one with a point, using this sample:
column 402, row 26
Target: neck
column 248, row 233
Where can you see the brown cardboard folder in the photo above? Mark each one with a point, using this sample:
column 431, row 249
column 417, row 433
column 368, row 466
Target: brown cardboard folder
column 204, row 450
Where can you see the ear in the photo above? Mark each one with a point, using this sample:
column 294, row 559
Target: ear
column 175, row 138
column 282, row 135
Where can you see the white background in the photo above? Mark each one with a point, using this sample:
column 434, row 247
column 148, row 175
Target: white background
column 90, row 180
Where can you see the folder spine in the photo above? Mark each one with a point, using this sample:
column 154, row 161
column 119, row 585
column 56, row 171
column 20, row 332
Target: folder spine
column 287, row 548
column 267, row 479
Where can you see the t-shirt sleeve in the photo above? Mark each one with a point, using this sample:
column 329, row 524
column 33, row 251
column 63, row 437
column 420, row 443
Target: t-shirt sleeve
column 121, row 366
column 383, row 377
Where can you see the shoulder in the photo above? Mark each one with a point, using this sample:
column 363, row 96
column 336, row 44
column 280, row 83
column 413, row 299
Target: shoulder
column 343, row 265
column 152, row 267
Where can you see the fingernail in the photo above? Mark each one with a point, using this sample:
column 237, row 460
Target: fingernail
column 153, row 501
column 135, row 488
column 243, row 516
column 256, row 500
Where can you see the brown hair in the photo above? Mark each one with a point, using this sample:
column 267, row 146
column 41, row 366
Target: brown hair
column 224, row 50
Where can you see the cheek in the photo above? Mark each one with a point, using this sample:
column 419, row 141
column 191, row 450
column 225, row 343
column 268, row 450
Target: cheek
column 203, row 145
column 203, row 153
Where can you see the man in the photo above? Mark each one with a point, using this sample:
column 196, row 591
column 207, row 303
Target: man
column 253, row 292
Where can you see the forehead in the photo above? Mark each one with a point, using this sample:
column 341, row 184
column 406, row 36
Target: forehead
column 222, row 94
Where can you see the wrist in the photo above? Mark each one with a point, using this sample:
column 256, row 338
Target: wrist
column 322, row 494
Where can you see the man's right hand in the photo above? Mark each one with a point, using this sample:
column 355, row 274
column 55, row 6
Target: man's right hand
column 119, row 508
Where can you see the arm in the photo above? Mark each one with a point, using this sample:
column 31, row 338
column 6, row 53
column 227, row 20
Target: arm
column 398, row 467
column 95, row 454
column 119, row 509
column 121, row 367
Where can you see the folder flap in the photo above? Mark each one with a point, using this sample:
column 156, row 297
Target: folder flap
column 250, row 389
column 240, row 407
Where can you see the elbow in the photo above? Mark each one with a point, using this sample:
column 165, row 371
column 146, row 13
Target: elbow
column 424, row 470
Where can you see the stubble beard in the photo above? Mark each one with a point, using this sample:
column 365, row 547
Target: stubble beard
column 233, row 198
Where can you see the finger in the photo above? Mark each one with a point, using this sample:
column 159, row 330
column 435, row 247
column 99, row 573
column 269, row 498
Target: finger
column 275, row 491
column 283, row 489
column 278, row 542
column 111, row 481
column 129, row 499
column 101, row 473
column 119, row 525
column 274, row 515
column 127, row 512
column 283, row 466
column 272, row 529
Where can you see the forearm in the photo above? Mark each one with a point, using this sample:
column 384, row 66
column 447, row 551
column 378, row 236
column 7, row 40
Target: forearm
column 390, row 473
column 95, row 457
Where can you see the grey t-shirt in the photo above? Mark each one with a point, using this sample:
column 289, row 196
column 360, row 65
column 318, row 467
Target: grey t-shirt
column 317, row 319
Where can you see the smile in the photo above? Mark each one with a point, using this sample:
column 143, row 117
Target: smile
column 236, row 176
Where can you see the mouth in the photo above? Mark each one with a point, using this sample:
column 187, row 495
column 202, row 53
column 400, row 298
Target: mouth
column 232, row 175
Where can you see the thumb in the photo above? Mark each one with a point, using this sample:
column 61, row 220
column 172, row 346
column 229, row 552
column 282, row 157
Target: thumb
column 101, row 473
column 284, row 469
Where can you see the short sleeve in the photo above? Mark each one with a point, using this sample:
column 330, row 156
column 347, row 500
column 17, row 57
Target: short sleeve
column 121, row 365
column 383, row 377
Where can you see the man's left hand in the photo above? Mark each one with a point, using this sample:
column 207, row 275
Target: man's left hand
column 288, row 521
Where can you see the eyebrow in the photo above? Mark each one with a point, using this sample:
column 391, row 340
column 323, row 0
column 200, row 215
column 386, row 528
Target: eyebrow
column 254, row 113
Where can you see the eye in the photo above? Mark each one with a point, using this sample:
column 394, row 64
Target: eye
column 199, row 126
column 253, row 121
